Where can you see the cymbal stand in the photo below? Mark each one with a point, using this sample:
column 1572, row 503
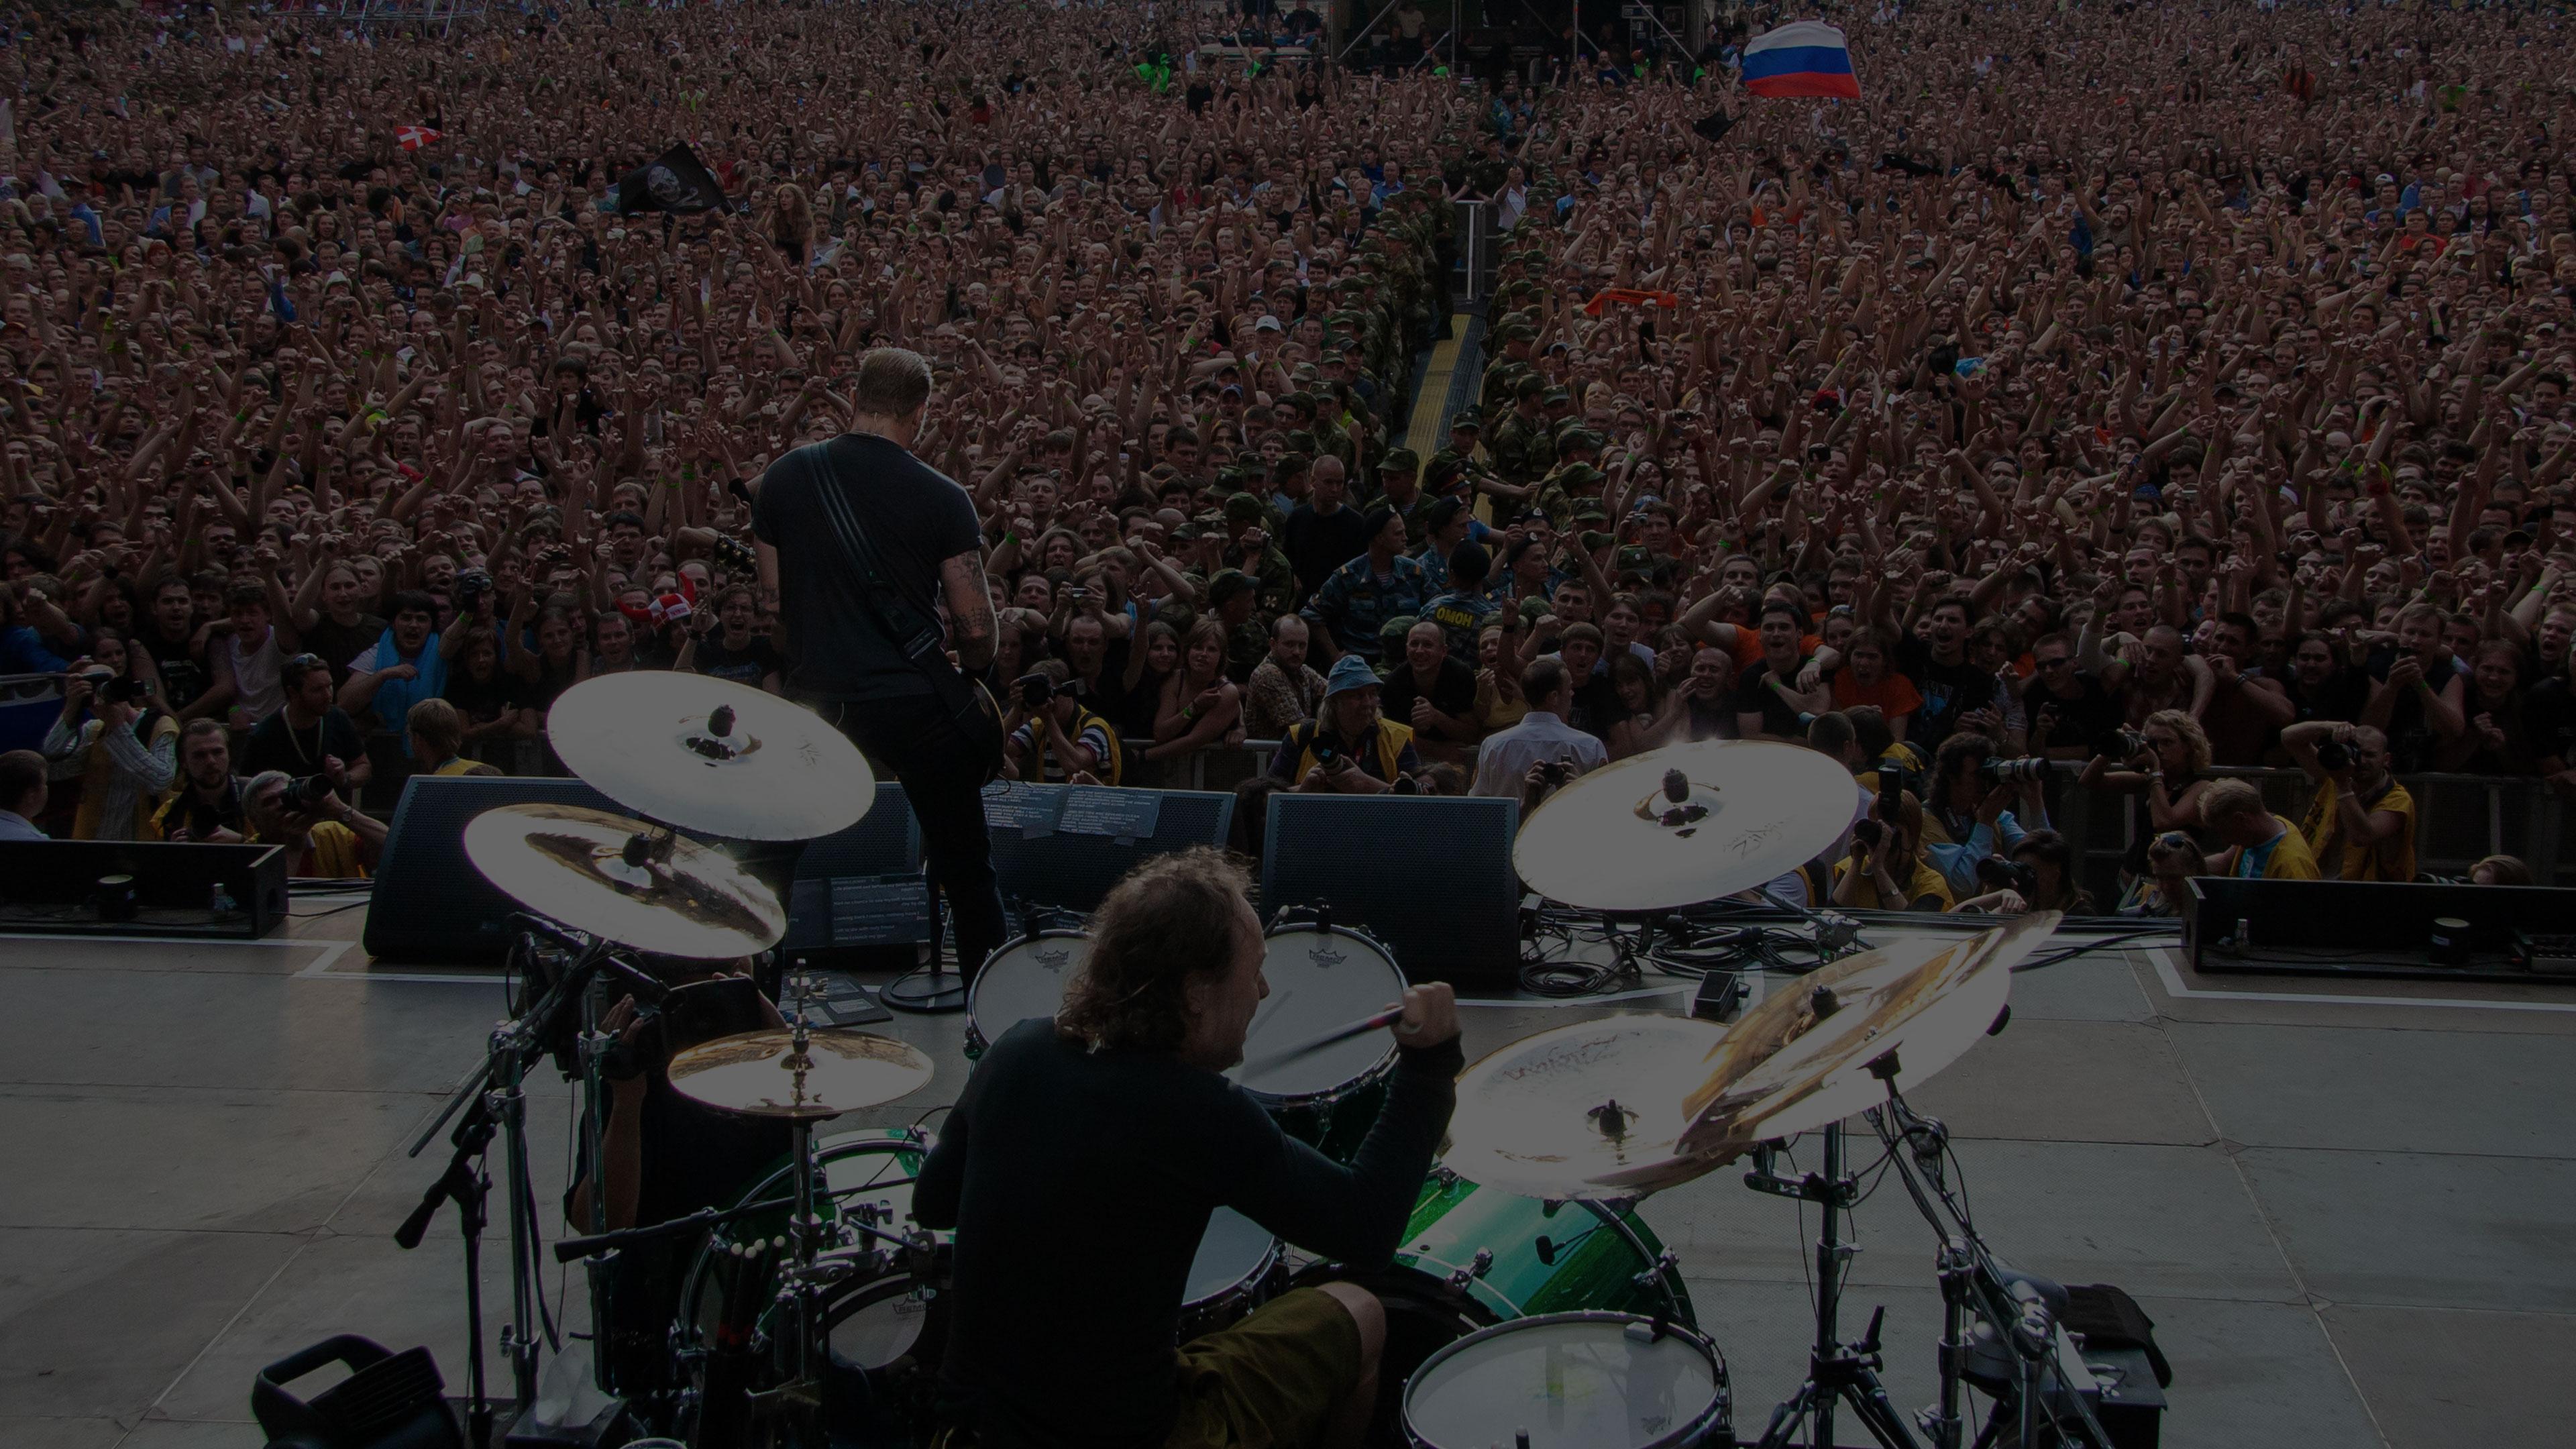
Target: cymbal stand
column 1974, row 1286
column 1835, row 1371
column 803, row 1275
column 1663, row 1271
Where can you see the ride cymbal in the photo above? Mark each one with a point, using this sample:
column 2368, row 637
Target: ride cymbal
column 1684, row 824
column 710, row 755
column 763, row 1074
column 624, row 881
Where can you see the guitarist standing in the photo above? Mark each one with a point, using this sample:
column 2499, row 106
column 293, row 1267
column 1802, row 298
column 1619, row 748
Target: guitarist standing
column 863, row 547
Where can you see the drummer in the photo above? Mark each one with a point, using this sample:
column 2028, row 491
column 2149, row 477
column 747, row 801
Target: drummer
column 1082, row 1163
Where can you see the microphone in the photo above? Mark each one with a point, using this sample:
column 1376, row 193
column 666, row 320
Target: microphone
column 1676, row 786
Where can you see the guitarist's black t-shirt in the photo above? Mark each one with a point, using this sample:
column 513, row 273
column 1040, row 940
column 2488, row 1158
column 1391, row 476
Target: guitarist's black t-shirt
column 916, row 518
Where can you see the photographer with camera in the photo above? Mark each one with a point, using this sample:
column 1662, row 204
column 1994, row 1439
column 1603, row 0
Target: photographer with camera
column 1348, row 749
column 2039, row 875
column 1884, row 871
column 1967, row 822
column 2255, row 843
column 1052, row 738
column 2361, row 824
column 311, row 816
column 125, row 752
column 2165, row 760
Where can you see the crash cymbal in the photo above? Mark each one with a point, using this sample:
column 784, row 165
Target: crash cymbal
column 1629, row 1105
column 1802, row 1058
column 662, row 745
column 1535, row 1116
column 625, row 881
column 1747, row 812
column 760, row 1073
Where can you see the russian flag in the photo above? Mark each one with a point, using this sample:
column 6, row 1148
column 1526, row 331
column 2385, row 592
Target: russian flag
column 1801, row 58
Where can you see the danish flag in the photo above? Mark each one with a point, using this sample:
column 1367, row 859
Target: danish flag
column 412, row 138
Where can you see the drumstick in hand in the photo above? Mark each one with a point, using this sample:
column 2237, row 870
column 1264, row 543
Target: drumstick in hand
column 1282, row 1057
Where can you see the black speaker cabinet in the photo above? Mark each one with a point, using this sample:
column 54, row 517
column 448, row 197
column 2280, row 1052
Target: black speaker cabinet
column 2364, row 928
column 176, row 890
column 1429, row 876
column 1064, row 846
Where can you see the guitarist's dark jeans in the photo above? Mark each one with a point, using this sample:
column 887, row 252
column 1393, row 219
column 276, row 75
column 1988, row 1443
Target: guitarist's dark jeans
column 945, row 783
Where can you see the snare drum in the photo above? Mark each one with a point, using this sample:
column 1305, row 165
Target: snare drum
column 1571, row 1381
column 1321, row 978
column 1025, row 978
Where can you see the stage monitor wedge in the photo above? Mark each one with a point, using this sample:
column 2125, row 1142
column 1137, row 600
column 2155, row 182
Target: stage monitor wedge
column 1429, row 876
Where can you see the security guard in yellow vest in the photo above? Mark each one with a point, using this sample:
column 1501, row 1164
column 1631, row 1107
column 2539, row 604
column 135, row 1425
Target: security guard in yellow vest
column 1348, row 750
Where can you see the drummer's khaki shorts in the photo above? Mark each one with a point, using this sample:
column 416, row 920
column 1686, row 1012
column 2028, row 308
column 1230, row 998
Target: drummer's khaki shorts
column 1271, row 1381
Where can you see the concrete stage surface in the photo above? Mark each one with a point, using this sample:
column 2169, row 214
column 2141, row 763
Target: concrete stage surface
column 2346, row 1207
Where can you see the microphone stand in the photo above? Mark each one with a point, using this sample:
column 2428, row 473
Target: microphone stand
column 466, row 1184
column 928, row 990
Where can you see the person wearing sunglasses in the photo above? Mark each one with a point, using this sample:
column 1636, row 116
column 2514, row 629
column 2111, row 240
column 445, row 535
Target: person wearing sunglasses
column 309, row 731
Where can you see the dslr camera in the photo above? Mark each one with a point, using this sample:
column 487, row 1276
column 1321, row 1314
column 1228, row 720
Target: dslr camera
column 2333, row 754
column 1555, row 772
column 108, row 687
column 1994, row 773
column 2121, row 744
column 471, row 586
column 1998, row 874
column 1035, row 690
column 306, row 791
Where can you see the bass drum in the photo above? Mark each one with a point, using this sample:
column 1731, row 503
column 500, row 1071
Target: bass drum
column 884, row 1330
column 887, row 1331
column 1473, row 1257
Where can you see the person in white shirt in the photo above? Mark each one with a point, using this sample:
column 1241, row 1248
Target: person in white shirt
column 22, row 795
column 1524, row 760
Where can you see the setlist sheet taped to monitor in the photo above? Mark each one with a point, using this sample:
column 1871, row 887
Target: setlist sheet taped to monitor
column 1031, row 810
column 1125, row 816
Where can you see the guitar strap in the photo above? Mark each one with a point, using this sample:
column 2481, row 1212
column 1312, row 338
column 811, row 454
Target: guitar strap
column 915, row 632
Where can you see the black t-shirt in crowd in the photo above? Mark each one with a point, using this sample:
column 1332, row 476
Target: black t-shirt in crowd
column 483, row 701
column 2086, row 720
column 2549, row 720
column 1754, row 695
column 1948, row 690
column 339, row 643
column 915, row 518
column 1318, row 543
column 274, row 744
column 752, row 663
column 1048, row 1347
column 1452, row 692
column 182, row 677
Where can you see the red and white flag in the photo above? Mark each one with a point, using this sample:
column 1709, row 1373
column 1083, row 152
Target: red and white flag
column 412, row 138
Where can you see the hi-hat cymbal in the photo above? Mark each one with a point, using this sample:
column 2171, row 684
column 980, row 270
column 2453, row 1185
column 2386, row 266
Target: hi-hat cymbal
column 1629, row 1105
column 1749, row 812
column 662, row 744
column 1533, row 1117
column 761, row 1074
column 624, row 881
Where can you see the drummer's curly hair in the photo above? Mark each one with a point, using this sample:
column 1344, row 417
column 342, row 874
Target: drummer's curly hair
column 1172, row 917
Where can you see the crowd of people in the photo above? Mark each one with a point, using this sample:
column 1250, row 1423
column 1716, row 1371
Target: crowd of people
column 2149, row 400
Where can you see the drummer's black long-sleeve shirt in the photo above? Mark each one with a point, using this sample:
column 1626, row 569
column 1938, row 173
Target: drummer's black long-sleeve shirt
column 1079, row 1185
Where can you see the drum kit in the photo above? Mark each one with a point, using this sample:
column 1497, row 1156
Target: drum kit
column 1529, row 1303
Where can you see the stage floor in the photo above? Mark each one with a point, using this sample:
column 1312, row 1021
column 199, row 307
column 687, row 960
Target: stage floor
column 2345, row 1208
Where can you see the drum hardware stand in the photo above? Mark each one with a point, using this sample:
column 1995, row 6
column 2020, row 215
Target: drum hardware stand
column 1662, row 1271
column 1975, row 1287
column 929, row 990
column 467, row 1184
column 1835, row 1370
